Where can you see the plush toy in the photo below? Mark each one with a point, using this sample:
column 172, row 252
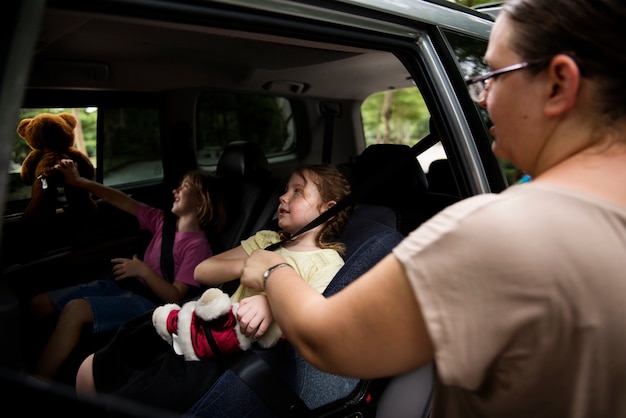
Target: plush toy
column 51, row 138
column 207, row 328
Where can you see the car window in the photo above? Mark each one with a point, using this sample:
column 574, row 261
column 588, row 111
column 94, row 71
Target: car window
column 127, row 148
column 85, row 141
column 469, row 52
column 225, row 117
column 124, row 143
column 130, row 146
column 399, row 116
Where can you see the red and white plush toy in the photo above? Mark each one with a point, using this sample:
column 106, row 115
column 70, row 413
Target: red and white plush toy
column 207, row 328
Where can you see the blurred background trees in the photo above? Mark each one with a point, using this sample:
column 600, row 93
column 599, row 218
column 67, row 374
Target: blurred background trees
column 471, row 3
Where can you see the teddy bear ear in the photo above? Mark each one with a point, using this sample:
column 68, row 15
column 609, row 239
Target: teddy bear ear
column 69, row 119
column 21, row 128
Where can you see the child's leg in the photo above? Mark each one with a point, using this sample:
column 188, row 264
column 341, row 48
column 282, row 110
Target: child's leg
column 41, row 306
column 65, row 337
column 84, row 377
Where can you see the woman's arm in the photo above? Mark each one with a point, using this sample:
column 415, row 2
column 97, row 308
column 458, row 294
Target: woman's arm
column 221, row 268
column 110, row 195
column 372, row 328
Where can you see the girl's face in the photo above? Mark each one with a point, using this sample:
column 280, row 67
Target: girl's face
column 185, row 199
column 300, row 204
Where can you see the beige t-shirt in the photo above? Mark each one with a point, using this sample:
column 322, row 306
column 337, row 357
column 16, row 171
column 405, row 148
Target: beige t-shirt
column 524, row 297
column 317, row 268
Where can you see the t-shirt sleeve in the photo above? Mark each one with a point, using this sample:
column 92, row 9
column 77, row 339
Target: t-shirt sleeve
column 259, row 241
column 317, row 268
column 191, row 249
column 149, row 218
column 323, row 276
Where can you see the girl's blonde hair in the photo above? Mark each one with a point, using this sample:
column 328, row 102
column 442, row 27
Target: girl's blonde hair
column 211, row 192
column 332, row 185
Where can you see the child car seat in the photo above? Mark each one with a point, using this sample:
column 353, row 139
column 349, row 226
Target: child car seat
column 283, row 383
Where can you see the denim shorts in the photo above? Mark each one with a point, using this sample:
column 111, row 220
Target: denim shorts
column 111, row 305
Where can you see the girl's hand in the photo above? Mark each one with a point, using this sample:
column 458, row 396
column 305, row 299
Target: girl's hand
column 128, row 267
column 256, row 264
column 255, row 316
column 69, row 169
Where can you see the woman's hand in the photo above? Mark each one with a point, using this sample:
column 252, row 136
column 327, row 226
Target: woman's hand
column 255, row 316
column 128, row 267
column 256, row 264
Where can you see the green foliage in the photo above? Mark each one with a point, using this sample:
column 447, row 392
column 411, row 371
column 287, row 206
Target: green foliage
column 223, row 118
column 130, row 135
column 395, row 116
column 471, row 3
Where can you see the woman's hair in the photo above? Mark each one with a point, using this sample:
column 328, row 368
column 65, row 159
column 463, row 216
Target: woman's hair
column 586, row 30
column 332, row 185
column 212, row 199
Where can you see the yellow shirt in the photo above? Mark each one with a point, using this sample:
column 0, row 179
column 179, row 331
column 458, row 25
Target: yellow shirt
column 317, row 268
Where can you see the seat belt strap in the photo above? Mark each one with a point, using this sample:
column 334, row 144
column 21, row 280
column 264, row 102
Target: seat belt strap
column 330, row 111
column 167, row 246
column 353, row 196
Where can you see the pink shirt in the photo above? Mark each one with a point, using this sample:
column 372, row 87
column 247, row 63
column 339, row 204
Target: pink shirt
column 190, row 248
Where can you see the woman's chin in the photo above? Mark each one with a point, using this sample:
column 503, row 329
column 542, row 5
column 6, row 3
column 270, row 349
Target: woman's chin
column 497, row 151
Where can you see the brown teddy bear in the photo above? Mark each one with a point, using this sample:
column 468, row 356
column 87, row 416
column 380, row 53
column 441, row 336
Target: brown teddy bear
column 51, row 138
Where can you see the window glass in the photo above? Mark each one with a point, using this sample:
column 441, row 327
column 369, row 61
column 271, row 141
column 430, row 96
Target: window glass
column 395, row 117
column 130, row 147
column 85, row 141
column 469, row 53
column 223, row 118
column 399, row 116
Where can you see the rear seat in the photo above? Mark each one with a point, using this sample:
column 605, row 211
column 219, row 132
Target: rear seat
column 407, row 190
column 293, row 387
column 252, row 192
column 441, row 178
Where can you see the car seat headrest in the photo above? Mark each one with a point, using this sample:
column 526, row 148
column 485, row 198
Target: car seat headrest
column 440, row 177
column 407, row 180
column 243, row 159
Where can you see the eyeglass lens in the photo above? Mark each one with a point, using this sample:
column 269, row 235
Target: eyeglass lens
column 477, row 91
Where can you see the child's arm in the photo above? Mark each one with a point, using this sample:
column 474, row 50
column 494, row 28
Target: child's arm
column 255, row 316
column 125, row 268
column 221, row 268
column 110, row 195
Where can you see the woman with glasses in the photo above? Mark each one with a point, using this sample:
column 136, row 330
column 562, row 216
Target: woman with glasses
column 517, row 297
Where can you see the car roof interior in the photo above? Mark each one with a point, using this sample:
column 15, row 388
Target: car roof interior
column 87, row 51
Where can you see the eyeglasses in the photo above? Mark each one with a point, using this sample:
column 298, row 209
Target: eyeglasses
column 477, row 86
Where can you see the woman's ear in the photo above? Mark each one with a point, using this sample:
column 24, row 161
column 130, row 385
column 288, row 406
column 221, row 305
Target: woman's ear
column 564, row 79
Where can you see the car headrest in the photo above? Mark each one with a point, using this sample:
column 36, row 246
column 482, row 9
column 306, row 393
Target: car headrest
column 406, row 180
column 440, row 177
column 243, row 160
